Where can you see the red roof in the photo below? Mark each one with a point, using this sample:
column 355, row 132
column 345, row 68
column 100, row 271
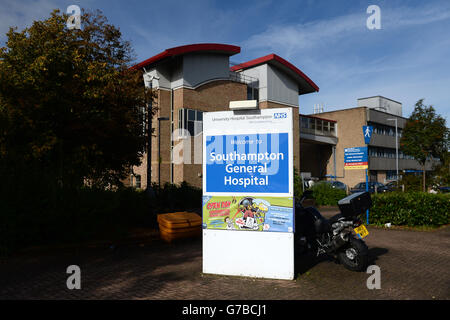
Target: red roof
column 201, row 47
column 306, row 85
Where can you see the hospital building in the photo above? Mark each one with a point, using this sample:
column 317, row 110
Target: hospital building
column 191, row 79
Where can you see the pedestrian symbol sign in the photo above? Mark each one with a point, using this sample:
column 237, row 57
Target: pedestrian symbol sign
column 367, row 131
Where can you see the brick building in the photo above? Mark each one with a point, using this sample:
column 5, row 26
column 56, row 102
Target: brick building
column 192, row 79
column 325, row 135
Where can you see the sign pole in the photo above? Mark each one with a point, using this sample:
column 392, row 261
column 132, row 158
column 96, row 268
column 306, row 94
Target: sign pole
column 367, row 189
column 367, row 131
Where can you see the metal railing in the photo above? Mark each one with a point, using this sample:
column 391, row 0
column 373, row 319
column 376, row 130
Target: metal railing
column 243, row 78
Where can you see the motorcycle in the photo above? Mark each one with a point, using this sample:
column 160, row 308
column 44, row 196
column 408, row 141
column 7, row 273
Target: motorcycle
column 340, row 237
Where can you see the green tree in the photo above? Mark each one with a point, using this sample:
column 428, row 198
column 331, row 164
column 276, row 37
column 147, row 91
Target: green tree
column 441, row 173
column 69, row 103
column 425, row 136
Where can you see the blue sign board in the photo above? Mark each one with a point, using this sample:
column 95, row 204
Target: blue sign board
column 247, row 163
column 356, row 158
column 367, row 131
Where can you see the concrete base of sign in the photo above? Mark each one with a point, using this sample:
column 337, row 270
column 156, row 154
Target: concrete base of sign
column 249, row 253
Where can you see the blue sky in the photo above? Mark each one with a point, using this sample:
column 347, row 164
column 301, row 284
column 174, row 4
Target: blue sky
column 407, row 59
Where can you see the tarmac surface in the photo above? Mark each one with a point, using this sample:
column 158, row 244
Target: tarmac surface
column 414, row 265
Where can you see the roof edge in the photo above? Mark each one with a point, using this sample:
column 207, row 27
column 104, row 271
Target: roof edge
column 176, row 51
column 274, row 57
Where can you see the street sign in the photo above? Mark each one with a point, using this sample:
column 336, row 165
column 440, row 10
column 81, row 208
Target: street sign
column 356, row 158
column 367, row 131
column 248, row 193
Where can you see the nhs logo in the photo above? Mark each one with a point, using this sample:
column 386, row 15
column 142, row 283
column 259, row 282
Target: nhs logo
column 280, row 115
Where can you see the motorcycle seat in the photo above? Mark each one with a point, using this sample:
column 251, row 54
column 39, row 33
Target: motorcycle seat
column 335, row 218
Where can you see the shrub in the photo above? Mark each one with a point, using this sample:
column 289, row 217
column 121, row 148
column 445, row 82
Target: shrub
column 410, row 209
column 40, row 212
column 324, row 194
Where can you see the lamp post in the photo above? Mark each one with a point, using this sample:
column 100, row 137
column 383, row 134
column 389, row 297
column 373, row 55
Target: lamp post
column 159, row 147
column 148, row 82
column 396, row 148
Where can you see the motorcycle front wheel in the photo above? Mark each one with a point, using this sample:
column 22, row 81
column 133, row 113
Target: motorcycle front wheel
column 355, row 255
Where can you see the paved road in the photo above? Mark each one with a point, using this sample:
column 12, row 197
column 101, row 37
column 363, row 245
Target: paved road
column 414, row 265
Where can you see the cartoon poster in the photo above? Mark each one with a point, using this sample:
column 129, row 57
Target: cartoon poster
column 267, row 214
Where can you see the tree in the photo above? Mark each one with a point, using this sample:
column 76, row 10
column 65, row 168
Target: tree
column 69, row 103
column 441, row 172
column 424, row 136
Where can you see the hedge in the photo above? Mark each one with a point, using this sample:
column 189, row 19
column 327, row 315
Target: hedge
column 46, row 214
column 410, row 209
column 323, row 193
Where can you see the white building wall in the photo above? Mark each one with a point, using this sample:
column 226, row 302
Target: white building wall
column 381, row 104
column 274, row 85
column 177, row 80
column 281, row 88
column 260, row 73
column 164, row 76
column 199, row 68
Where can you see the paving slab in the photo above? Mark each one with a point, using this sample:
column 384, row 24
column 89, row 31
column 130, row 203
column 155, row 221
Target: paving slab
column 414, row 265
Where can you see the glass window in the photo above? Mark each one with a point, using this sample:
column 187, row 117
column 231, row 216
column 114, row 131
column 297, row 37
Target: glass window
column 191, row 120
column 249, row 93
column 138, row 181
column 319, row 125
column 191, row 115
column 305, row 123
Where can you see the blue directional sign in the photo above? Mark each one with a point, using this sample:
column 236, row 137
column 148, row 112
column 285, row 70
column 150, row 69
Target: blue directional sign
column 367, row 131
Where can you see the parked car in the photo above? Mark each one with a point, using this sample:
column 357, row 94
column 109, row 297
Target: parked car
column 392, row 186
column 444, row 189
column 360, row 187
column 335, row 184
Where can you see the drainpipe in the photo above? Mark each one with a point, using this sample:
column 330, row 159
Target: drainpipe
column 334, row 161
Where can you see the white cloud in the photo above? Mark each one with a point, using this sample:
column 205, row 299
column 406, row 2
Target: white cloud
column 287, row 39
column 348, row 61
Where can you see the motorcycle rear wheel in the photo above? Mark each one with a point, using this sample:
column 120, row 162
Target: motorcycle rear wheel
column 355, row 255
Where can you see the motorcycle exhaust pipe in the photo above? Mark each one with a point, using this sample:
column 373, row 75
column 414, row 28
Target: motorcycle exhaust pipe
column 339, row 241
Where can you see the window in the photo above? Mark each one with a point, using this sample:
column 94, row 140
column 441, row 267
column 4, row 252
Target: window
column 319, row 125
column 305, row 123
column 332, row 128
column 252, row 93
column 385, row 129
column 190, row 120
column 391, row 175
column 138, row 181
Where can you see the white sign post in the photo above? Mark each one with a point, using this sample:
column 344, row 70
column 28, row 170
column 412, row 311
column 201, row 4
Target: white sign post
column 248, row 204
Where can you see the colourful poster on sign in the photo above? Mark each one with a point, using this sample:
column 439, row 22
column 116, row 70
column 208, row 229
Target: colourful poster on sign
column 267, row 214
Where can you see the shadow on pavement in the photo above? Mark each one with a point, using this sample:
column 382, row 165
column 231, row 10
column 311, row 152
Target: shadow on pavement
column 374, row 253
column 306, row 261
column 128, row 271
